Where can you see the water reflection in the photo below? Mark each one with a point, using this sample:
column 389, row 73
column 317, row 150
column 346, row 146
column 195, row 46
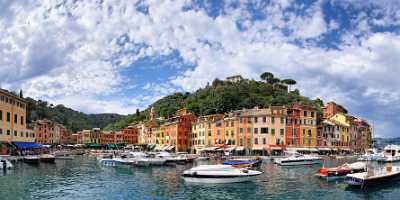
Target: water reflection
column 83, row 178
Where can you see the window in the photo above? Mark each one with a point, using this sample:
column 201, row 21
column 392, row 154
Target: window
column 264, row 119
column 312, row 114
column 22, row 120
column 241, row 130
column 282, row 131
column 255, row 140
column 8, row 132
column 232, row 123
column 209, row 132
column 241, row 141
column 272, row 131
column 255, row 130
column 282, row 120
column 1, row 131
column 255, row 119
column 264, row 141
column 272, row 120
column 248, row 130
column 278, row 141
column 305, row 113
column 226, row 133
column 1, row 115
column 8, row 117
column 264, row 130
column 15, row 133
column 232, row 133
column 15, row 118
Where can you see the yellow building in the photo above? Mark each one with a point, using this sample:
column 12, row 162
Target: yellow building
column 308, row 126
column 231, row 130
column 199, row 134
column 13, row 120
column 341, row 128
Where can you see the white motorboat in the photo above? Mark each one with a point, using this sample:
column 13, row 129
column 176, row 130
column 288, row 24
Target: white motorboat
column 370, row 155
column 374, row 177
column 148, row 161
column 63, row 155
column 299, row 159
column 391, row 153
column 171, row 158
column 219, row 174
column 125, row 159
column 5, row 164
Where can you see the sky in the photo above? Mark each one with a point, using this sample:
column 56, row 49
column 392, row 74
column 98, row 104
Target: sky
column 113, row 56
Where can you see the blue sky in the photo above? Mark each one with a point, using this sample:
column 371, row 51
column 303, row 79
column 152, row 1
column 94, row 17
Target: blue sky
column 116, row 56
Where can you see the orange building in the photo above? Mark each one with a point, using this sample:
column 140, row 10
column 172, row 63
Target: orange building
column 49, row 132
column 178, row 130
column 130, row 135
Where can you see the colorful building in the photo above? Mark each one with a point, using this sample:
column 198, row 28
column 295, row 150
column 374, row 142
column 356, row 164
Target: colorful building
column 178, row 130
column 49, row 132
column 130, row 135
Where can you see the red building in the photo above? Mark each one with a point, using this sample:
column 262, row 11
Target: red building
column 331, row 109
column 178, row 129
column 292, row 130
column 130, row 135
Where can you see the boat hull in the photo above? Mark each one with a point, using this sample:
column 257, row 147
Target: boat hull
column 48, row 160
column 219, row 180
column 31, row 161
column 303, row 162
column 363, row 183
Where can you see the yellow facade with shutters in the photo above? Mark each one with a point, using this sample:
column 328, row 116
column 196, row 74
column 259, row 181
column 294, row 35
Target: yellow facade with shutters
column 308, row 127
column 341, row 120
column 13, row 119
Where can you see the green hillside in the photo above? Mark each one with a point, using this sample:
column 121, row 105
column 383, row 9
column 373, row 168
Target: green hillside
column 224, row 96
column 72, row 119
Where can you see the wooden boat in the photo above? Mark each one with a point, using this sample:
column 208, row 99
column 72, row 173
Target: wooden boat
column 370, row 178
column 341, row 171
column 47, row 158
column 33, row 160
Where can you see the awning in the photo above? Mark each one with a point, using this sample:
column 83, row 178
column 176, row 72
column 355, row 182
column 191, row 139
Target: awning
column 94, row 145
column 239, row 149
column 111, row 146
column 258, row 148
column 276, row 148
column 27, row 145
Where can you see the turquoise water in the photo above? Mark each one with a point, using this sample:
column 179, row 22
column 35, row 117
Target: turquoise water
column 83, row 179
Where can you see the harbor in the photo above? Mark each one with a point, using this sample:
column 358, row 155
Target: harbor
column 84, row 178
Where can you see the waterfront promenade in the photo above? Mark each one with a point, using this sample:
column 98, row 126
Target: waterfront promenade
column 82, row 178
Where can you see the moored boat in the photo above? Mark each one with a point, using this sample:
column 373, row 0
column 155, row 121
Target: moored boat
column 370, row 155
column 244, row 163
column 33, row 159
column 219, row 174
column 369, row 178
column 5, row 164
column 391, row 153
column 341, row 171
column 299, row 159
column 47, row 158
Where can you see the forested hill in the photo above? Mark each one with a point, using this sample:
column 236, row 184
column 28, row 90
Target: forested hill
column 224, row 96
column 72, row 119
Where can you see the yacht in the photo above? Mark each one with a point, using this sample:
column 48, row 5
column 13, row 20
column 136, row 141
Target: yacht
column 150, row 161
column 31, row 159
column 47, row 158
column 219, row 174
column 391, row 153
column 128, row 159
column 373, row 177
column 171, row 159
column 370, row 155
column 299, row 159
column 5, row 164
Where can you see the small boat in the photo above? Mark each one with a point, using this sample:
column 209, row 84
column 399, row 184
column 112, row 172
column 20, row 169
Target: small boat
column 147, row 161
column 63, row 155
column 370, row 155
column 5, row 164
column 33, row 159
column 47, row 158
column 219, row 174
column 299, row 159
column 341, row 171
column 391, row 153
column 364, row 179
column 171, row 159
column 244, row 163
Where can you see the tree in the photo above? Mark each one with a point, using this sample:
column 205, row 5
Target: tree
column 289, row 82
column 21, row 94
column 267, row 76
column 137, row 112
